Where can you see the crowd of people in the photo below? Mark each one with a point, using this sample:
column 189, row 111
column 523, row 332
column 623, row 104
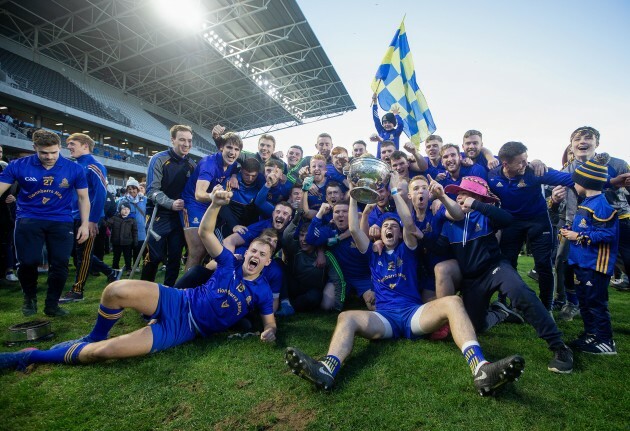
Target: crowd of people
column 268, row 236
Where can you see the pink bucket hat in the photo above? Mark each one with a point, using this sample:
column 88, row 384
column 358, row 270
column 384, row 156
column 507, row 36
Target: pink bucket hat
column 475, row 185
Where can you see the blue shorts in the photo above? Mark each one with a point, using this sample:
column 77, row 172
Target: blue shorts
column 191, row 216
column 359, row 285
column 174, row 325
column 404, row 322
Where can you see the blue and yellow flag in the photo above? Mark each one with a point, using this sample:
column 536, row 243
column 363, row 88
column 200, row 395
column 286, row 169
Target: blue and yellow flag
column 395, row 82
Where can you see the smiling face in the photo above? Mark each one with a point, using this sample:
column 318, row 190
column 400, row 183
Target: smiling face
column 432, row 148
column 516, row 166
column 583, row 146
column 318, row 170
column 281, row 216
column 401, row 166
column 451, row 160
column 472, row 146
column 77, row 149
column 230, row 153
column 391, row 233
column 419, row 194
column 340, row 160
column 257, row 256
column 340, row 216
column 182, row 142
column 386, row 152
column 358, row 149
column 294, row 155
column 132, row 191
column 266, row 147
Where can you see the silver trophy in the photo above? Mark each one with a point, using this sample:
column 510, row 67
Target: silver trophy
column 368, row 174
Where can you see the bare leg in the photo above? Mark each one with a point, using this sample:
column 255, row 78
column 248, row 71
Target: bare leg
column 449, row 310
column 196, row 250
column 137, row 294
column 137, row 343
column 447, row 278
column 350, row 323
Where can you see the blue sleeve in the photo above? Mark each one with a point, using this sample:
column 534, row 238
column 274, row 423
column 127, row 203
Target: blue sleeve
column 225, row 260
column 400, row 125
column 80, row 182
column 262, row 203
column 206, row 166
column 374, row 217
column 274, row 277
column 377, row 119
column 98, row 193
column 265, row 302
column 253, row 231
column 318, row 234
column 556, row 178
column 8, row 176
column 479, row 171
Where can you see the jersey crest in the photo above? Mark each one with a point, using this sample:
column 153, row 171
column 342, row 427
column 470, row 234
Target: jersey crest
column 583, row 224
column 499, row 184
column 521, row 183
column 64, row 184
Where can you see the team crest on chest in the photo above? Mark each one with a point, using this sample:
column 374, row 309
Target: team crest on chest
column 583, row 224
column 196, row 220
column 248, row 299
column 427, row 228
column 477, row 227
column 521, row 183
column 240, row 288
column 64, row 184
column 391, row 266
column 499, row 184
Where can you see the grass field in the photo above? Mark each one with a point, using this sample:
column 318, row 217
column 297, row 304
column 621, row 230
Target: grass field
column 239, row 384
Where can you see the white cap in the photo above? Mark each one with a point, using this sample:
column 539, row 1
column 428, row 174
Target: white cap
column 132, row 182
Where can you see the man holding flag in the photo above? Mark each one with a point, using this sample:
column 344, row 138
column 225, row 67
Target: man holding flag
column 395, row 83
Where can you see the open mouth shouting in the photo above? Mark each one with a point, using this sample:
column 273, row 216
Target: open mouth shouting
column 252, row 264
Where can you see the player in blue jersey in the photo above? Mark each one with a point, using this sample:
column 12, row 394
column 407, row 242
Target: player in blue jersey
column 485, row 270
column 455, row 169
column 315, row 180
column 274, row 189
column 359, row 148
column 432, row 147
column 167, row 175
column 519, row 188
column 472, row 145
column 210, row 171
column 593, row 238
column 323, row 146
column 400, row 312
column 44, row 216
column 81, row 147
column 242, row 235
column 180, row 315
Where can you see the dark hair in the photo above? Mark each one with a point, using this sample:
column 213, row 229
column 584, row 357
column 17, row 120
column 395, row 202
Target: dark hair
column 250, row 165
column 44, row 138
column 297, row 147
column 284, row 204
column 511, row 149
column 585, row 131
column 269, row 137
column 231, row 138
column 447, row 146
column 388, row 144
column 274, row 162
column 324, row 135
column 333, row 184
column 360, row 142
column 269, row 232
column 342, row 202
column 398, row 155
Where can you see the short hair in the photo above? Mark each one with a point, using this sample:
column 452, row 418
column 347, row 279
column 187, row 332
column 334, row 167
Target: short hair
column 318, row 157
column 398, row 155
column 324, row 135
column 433, row 138
column 274, row 162
column 297, row 147
column 447, row 146
column 269, row 137
column 44, row 138
column 338, row 150
column 473, row 132
column 360, row 142
column 264, row 241
column 388, row 144
column 304, row 226
column 232, row 138
column 419, row 178
column 284, row 204
column 333, row 184
column 342, row 202
column 180, row 128
column 82, row 139
column 511, row 149
column 269, row 232
column 250, row 165
column 586, row 131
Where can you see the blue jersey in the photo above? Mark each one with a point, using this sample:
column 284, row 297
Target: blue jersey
column 45, row 194
column 523, row 196
column 387, row 135
column 377, row 216
column 96, row 176
column 336, row 176
column 210, row 169
column 267, row 198
column 226, row 298
column 395, row 278
column 316, row 200
column 255, row 229
column 481, row 161
column 597, row 225
column 434, row 171
column 245, row 194
column 353, row 263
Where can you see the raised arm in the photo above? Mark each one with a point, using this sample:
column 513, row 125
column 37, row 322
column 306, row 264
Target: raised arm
column 453, row 210
column 360, row 238
column 210, row 241
column 409, row 227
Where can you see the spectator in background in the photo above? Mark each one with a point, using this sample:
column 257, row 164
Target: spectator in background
column 138, row 206
column 124, row 235
column 48, row 183
column 7, row 224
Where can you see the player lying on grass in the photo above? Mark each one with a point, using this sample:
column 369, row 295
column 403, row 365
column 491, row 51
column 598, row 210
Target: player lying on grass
column 400, row 311
column 180, row 315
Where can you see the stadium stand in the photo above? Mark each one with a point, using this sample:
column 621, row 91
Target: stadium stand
column 39, row 80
